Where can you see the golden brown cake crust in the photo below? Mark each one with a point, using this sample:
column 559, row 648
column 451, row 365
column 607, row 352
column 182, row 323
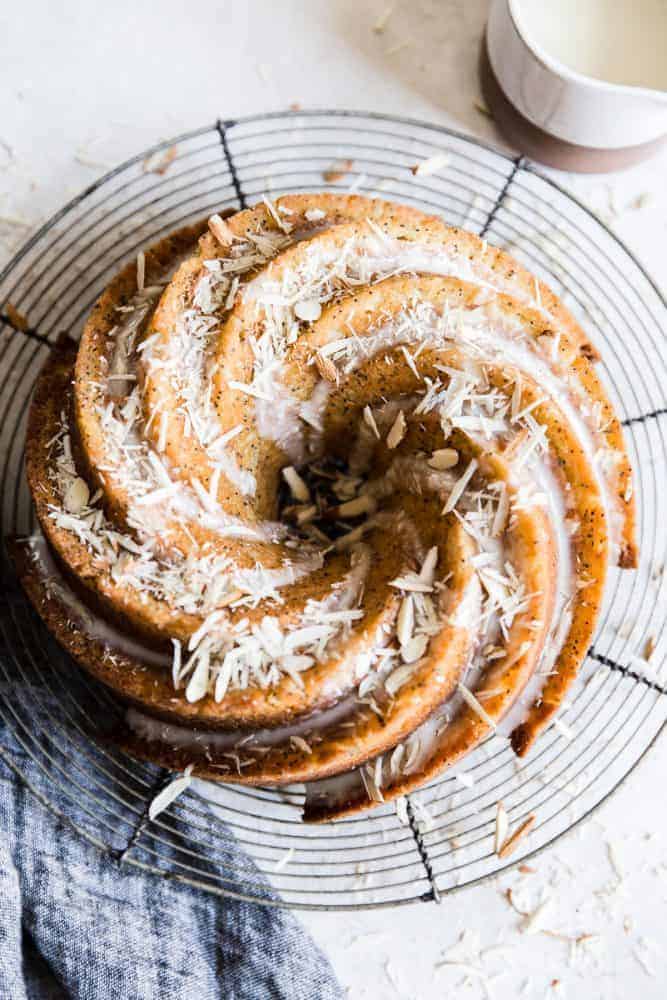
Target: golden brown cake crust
column 81, row 582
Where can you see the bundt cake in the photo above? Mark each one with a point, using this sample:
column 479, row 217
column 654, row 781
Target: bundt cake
column 328, row 492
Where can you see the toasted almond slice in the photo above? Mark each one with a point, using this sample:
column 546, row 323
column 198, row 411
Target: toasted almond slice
column 369, row 420
column 459, row 487
column 299, row 743
column 427, row 571
column 326, row 368
column 337, row 171
column 431, row 165
column 221, row 230
column 397, row 432
column 76, row 496
column 502, row 827
column 364, row 504
column 141, row 271
column 444, row 458
column 478, row 708
column 414, row 649
column 512, row 841
column 306, row 514
column 406, row 621
column 297, row 486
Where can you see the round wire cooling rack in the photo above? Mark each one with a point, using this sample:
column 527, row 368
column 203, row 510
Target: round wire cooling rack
column 59, row 716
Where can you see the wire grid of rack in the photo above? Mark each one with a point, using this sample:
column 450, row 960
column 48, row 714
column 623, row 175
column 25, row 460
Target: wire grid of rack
column 59, row 716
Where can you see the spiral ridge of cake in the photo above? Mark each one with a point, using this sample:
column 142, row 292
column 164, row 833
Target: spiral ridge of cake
column 328, row 492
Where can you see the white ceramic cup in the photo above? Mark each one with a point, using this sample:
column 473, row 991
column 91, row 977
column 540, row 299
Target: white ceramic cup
column 586, row 114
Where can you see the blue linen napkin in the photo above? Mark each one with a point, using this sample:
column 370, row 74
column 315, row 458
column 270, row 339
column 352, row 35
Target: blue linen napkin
column 75, row 922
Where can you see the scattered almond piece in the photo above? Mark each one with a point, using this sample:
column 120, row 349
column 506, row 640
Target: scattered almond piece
column 159, row 163
column 383, row 21
column 482, row 108
column 431, row 165
column 502, row 827
column 514, row 838
column 649, row 648
column 337, row 171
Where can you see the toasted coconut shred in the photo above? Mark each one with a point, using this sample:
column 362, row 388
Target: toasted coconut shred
column 382, row 590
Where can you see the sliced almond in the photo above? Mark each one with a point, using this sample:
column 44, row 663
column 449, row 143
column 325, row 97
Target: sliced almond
column 405, row 622
column 221, row 230
column 228, row 599
column 512, row 841
column 369, row 420
column 141, row 270
column 397, row 432
column 502, row 827
column 299, row 743
column 326, row 368
column 383, row 21
column 308, row 310
column 76, row 496
column 431, row 165
column 337, row 171
column 444, row 458
column 364, row 504
column 306, row 514
column 157, row 164
column 414, row 649
column 297, row 486
column 427, row 571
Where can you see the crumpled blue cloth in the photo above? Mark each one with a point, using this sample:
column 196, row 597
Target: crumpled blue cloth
column 75, row 922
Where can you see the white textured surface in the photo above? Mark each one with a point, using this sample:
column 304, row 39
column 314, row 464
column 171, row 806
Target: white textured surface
column 85, row 86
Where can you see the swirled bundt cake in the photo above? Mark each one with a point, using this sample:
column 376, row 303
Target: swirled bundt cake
column 327, row 491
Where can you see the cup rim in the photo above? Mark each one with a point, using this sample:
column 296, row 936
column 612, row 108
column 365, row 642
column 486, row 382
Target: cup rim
column 565, row 72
